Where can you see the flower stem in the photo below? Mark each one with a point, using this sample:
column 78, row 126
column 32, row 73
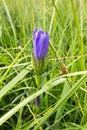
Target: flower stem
column 38, row 83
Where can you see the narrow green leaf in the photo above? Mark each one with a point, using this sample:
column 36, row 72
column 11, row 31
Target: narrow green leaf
column 10, row 20
column 15, row 80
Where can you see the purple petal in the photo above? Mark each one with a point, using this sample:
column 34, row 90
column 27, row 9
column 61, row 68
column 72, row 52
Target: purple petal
column 37, row 45
column 44, row 45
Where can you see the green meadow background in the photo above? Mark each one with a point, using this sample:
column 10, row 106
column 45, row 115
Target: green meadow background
column 63, row 90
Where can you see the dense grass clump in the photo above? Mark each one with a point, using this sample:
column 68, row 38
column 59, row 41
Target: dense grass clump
column 63, row 88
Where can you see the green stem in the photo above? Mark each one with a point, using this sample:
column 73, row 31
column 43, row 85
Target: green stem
column 38, row 81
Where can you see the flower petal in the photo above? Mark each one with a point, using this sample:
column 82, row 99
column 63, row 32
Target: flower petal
column 44, row 45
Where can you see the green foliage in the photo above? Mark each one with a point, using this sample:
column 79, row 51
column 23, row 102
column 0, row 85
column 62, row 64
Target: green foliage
column 63, row 89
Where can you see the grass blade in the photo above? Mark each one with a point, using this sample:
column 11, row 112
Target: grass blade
column 14, row 81
column 10, row 20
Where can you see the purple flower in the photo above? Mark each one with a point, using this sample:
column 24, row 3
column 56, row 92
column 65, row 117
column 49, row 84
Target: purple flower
column 40, row 44
column 37, row 101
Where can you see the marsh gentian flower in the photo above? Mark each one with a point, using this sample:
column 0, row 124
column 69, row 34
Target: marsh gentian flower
column 40, row 44
column 40, row 49
column 37, row 101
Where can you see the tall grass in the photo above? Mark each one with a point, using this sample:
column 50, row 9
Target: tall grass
column 64, row 91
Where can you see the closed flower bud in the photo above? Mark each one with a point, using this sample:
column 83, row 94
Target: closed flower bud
column 40, row 44
column 37, row 101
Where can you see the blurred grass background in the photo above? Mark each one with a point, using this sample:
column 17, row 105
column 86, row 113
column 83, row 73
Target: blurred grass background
column 66, row 22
